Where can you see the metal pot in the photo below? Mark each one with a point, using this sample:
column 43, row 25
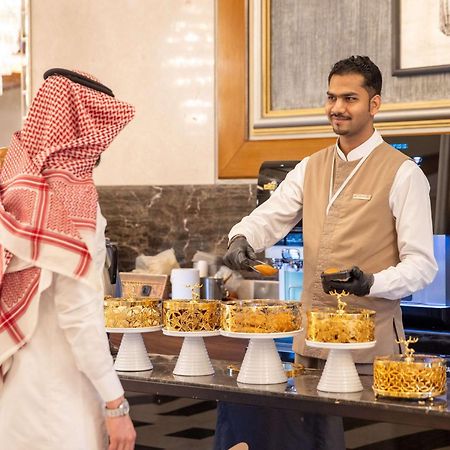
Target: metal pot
column 111, row 280
column 212, row 288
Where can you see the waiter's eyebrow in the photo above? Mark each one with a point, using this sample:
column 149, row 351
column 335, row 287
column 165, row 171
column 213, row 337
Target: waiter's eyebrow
column 345, row 94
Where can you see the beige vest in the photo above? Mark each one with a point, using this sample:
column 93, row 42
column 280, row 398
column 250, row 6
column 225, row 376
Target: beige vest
column 359, row 230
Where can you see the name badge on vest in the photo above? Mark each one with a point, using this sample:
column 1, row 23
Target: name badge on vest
column 366, row 197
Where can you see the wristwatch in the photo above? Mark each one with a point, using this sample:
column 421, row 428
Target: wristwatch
column 122, row 410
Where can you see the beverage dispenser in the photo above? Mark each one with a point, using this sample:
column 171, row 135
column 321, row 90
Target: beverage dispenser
column 430, row 307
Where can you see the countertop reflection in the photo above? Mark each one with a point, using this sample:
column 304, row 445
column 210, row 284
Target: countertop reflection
column 297, row 393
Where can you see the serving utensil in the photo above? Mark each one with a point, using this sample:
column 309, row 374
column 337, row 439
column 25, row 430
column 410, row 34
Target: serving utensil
column 263, row 268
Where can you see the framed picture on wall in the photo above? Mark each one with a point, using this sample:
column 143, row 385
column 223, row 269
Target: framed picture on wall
column 420, row 37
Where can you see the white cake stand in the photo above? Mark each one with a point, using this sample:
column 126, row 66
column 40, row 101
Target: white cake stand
column 193, row 360
column 339, row 373
column 262, row 363
column 132, row 355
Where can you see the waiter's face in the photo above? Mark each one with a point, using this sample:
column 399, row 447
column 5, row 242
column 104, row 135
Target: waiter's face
column 349, row 107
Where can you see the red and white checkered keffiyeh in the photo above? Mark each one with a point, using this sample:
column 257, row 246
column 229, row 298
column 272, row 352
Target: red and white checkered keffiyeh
column 47, row 197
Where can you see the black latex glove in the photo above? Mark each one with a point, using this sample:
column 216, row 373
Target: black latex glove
column 239, row 254
column 359, row 283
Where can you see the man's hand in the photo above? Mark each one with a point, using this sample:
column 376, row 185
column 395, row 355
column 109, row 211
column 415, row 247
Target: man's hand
column 359, row 283
column 239, row 253
column 120, row 429
column 120, row 432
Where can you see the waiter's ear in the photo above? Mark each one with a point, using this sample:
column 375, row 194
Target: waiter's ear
column 374, row 104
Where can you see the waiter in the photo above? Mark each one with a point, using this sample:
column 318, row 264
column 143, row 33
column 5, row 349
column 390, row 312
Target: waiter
column 363, row 205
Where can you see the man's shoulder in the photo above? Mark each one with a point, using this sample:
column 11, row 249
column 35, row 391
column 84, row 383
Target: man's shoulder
column 323, row 154
column 385, row 150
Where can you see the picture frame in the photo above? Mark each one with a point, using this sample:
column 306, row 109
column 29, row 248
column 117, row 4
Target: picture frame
column 420, row 37
column 138, row 285
column 248, row 134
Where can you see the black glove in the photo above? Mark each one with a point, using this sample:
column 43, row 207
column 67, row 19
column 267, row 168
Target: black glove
column 358, row 284
column 239, row 254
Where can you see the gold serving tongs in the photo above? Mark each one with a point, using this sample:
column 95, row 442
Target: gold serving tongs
column 262, row 268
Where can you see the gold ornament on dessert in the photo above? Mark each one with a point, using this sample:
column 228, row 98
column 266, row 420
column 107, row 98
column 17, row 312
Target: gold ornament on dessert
column 191, row 315
column 341, row 325
column 409, row 376
column 195, row 289
column 132, row 312
column 341, row 303
column 261, row 316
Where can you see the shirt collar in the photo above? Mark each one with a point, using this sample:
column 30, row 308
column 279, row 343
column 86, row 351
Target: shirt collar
column 362, row 150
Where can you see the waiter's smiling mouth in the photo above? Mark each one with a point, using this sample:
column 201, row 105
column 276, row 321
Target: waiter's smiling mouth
column 339, row 121
column 339, row 118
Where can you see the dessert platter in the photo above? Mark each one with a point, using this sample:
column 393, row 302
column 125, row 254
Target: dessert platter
column 261, row 321
column 132, row 317
column 409, row 376
column 193, row 319
column 340, row 331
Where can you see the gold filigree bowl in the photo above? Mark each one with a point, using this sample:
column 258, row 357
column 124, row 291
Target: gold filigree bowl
column 261, row 316
column 398, row 376
column 339, row 326
column 191, row 315
column 141, row 312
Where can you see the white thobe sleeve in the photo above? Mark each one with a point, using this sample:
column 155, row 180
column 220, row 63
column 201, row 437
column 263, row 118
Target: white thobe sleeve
column 80, row 315
column 410, row 205
column 273, row 219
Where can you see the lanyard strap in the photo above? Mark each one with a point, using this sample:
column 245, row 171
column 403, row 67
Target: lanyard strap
column 331, row 197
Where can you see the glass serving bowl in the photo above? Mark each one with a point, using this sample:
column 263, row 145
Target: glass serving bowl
column 417, row 377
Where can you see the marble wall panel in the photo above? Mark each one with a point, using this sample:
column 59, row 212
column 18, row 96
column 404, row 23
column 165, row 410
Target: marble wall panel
column 150, row 219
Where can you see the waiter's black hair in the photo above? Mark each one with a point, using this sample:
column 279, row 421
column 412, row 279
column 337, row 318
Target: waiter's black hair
column 365, row 67
column 80, row 79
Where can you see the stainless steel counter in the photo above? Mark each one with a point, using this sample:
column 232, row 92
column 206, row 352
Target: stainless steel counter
column 298, row 393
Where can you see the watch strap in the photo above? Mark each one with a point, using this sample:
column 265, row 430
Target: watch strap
column 122, row 410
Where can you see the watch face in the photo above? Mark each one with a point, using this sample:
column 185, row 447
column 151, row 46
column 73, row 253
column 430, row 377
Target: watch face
column 122, row 410
column 126, row 406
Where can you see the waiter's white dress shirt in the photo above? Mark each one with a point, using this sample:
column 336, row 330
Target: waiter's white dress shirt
column 54, row 393
column 410, row 205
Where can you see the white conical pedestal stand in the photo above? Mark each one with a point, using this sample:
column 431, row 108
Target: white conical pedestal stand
column 193, row 360
column 132, row 355
column 339, row 373
column 262, row 363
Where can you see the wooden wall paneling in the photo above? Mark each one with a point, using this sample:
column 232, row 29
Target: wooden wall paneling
column 238, row 156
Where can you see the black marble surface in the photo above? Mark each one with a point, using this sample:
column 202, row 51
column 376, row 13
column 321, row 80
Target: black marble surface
column 432, row 342
column 150, row 219
column 297, row 393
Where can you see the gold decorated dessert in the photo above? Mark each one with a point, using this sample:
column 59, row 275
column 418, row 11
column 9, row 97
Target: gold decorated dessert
column 341, row 325
column 261, row 316
column 352, row 326
column 191, row 315
column 408, row 375
column 132, row 312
